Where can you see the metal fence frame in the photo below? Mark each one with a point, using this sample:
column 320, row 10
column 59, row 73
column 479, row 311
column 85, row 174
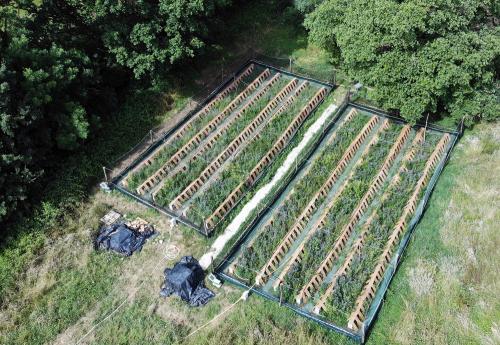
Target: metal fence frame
column 114, row 183
column 359, row 336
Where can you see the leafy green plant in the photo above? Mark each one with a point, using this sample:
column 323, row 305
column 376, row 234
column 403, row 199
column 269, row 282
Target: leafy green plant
column 181, row 180
column 350, row 285
column 285, row 215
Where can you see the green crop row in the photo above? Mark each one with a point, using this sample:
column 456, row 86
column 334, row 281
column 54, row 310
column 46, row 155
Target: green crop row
column 323, row 239
column 253, row 258
column 177, row 183
column 138, row 177
column 204, row 204
column 349, row 286
column 267, row 175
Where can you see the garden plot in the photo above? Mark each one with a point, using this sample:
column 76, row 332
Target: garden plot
column 218, row 144
column 208, row 164
column 223, row 191
column 324, row 245
column 140, row 173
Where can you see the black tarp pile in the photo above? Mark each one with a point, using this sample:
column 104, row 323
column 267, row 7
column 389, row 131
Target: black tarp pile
column 185, row 280
column 123, row 239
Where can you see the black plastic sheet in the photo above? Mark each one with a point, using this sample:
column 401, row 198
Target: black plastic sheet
column 122, row 239
column 185, row 280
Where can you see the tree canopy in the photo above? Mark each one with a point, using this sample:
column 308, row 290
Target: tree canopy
column 420, row 57
column 61, row 64
column 147, row 36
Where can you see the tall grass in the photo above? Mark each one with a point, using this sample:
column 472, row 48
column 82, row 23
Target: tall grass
column 456, row 247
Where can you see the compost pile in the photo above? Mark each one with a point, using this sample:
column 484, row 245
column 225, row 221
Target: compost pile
column 185, row 280
column 122, row 238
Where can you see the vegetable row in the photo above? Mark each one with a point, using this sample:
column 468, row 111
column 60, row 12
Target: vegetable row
column 256, row 255
column 203, row 204
column 138, row 177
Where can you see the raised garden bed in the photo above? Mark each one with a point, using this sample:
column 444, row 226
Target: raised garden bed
column 330, row 268
column 223, row 141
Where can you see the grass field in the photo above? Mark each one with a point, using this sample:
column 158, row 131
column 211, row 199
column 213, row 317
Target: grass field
column 444, row 292
column 54, row 288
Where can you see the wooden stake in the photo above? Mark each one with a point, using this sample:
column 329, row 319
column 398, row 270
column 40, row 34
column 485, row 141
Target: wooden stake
column 281, row 294
column 426, row 120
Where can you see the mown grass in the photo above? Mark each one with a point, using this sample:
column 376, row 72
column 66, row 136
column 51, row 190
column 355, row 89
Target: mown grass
column 74, row 292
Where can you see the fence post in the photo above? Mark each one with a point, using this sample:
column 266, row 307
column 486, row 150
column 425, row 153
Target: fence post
column 290, row 58
column 425, row 131
column 281, row 294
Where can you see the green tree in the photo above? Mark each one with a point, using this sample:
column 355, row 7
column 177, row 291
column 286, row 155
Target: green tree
column 150, row 36
column 45, row 93
column 420, row 56
column 306, row 6
column 61, row 62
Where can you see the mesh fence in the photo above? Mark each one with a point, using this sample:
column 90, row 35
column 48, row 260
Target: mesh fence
column 329, row 74
column 269, row 207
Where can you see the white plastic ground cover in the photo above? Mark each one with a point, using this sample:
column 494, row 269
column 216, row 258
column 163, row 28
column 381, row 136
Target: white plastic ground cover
column 232, row 228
